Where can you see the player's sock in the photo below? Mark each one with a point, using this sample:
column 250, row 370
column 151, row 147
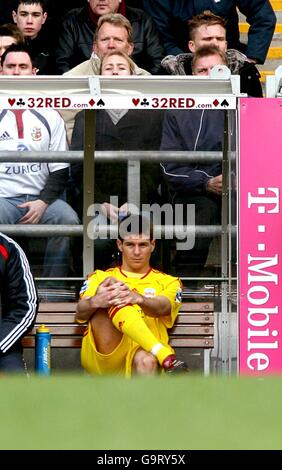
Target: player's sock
column 129, row 321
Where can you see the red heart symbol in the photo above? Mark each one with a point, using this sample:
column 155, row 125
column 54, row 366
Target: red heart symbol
column 11, row 101
column 135, row 101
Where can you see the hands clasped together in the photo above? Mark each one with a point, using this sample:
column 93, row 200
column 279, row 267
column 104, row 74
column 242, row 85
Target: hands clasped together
column 112, row 292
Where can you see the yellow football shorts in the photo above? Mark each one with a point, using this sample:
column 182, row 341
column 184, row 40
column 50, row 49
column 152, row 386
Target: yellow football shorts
column 118, row 362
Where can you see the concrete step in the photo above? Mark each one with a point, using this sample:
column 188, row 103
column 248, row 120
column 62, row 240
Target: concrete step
column 276, row 39
column 264, row 73
column 278, row 16
column 244, row 28
column 276, row 5
column 274, row 52
column 270, row 64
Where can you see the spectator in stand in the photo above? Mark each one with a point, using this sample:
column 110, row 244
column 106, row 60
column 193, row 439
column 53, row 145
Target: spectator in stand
column 9, row 34
column 113, row 33
column 196, row 183
column 209, row 29
column 171, row 17
column 18, row 304
column 30, row 192
column 118, row 129
column 79, row 25
column 30, row 16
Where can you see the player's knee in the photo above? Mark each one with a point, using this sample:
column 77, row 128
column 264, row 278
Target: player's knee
column 146, row 365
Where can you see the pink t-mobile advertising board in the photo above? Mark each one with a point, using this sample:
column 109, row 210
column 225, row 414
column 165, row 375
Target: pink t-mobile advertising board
column 260, row 236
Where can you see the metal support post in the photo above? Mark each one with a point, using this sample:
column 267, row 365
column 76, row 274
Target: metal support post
column 223, row 340
column 88, row 188
column 133, row 183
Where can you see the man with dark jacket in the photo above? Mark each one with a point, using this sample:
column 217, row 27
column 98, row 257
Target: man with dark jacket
column 209, row 29
column 30, row 17
column 171, row 17
column 113, row 33
column 18, row 304
column 79, row 25
column 196, row 183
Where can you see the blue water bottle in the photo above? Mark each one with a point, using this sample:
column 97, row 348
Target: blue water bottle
column 43, row 351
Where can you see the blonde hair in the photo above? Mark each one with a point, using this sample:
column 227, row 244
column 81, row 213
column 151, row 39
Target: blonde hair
column 121, row 54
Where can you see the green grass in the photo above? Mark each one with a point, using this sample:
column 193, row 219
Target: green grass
column 79, row 412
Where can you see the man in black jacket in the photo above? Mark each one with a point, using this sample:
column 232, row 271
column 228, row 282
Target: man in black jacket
column 31, row 18
column 209, row 29
column 18, row 304
column 199, row 184
column 77, row 31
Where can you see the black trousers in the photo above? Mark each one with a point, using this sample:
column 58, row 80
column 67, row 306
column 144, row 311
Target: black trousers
column 207, row 212
column 12, row 361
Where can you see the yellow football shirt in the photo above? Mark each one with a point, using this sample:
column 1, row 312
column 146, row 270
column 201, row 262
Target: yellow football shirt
column 151, row 284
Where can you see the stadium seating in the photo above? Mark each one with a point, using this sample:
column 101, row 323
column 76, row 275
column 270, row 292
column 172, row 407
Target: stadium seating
column 194, row 327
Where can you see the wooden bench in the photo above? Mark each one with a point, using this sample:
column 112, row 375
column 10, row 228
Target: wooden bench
column 194, row 327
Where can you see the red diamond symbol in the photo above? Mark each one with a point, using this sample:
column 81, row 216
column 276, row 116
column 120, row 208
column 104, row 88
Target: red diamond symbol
column 91, row 102
column 215, row 102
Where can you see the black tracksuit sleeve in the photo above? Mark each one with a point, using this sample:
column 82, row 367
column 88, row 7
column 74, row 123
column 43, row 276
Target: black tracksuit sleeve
column 55, row 185
column 19, row 302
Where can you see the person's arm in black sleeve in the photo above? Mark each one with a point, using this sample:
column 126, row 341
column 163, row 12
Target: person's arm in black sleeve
column 161, row 12
column 65, row 47
column 55, row 185
column 185, row 179
column 153, row 47
column 262, row 20
column 19, row 302
column 77, row 139
column 181, row 176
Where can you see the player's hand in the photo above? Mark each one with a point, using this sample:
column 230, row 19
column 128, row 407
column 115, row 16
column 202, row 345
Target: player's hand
column 104, row 293
column 109, row 281
column 124, row 297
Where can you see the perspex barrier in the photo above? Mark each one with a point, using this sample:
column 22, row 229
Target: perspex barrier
column 133, row 93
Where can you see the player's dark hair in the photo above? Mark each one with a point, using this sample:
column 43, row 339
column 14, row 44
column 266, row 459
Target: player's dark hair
column 135, row 224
